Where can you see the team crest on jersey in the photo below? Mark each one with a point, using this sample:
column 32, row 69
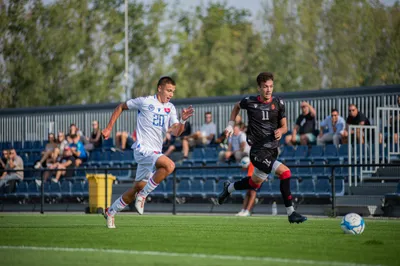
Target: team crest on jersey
column 255, row 105
column 281, row 102
column 167, row 110
column 151, row 107
column 272, row 106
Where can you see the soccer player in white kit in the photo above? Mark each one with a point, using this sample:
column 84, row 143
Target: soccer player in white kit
column 156, row 116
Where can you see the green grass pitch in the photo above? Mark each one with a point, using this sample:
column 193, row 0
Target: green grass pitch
column 192, row 240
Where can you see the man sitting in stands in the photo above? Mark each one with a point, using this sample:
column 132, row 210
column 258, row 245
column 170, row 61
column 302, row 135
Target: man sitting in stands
column 355, row 118
column 336, row 128
column 305, row 124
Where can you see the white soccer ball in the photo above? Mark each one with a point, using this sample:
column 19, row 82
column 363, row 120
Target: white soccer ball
column 245, row 162
column 352, row 223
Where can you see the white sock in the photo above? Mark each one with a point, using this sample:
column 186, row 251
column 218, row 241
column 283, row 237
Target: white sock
column 289, row 210
column 231, row 187
column 150, row 186
column 117, row 206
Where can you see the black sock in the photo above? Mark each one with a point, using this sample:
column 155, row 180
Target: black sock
column 242, row 184
column 285, row 191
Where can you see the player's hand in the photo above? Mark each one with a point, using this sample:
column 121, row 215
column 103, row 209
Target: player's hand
column 187, row 113
column 106, row 133
column 278, row 134
column 229, row 129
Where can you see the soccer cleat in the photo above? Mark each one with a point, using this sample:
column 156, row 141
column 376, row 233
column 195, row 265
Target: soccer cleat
column 224, row 194
column 110, row 220
column 296, row 218
column 139, row 204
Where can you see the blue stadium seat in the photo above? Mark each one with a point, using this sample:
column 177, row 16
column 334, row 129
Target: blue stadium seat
column 105, row 158
column 209, row 188
column 66, row 188
column 294, row 187
column 95, row 156
column 316, row 152
column 275, row 187
column 343, row 151
column 210, row 154
column 18, row 145
column 307, row 187
column 198, row 155
column 127, row 156
column 86, row 189
column 33, row 190
column 301, row 152
column 55, row 190
column 339, row 186
column 159, row 192
column 197, row 188
column 339, row 171
column 116, row 157
column 265, row 190
column 108, row 143
column 303, row 171
column 21, row 191
column 5, row 145
column 287, row 152
column 77, row 189
column 184, row 188
column 394, row 195
column 323, row 188
column 169, row 187
column 331, row 152
column 125, row 174
column 291, row 162
column 319, row 171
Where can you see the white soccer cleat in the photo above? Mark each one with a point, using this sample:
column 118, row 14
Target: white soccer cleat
column 110, row 220
column 239, row 213
column 139, row 203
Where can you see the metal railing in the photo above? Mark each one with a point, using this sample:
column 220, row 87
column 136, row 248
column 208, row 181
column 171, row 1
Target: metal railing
column 363, row 148
column 388, row 121
column 106, row 171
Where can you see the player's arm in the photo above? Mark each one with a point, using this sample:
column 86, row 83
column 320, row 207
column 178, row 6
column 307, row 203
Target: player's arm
column 231, row 123
column 117, row 112
column 282, row 128
column 312, row 110
column 178, row 128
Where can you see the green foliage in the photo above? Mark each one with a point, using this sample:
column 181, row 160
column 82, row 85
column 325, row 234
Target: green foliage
column 72, row 52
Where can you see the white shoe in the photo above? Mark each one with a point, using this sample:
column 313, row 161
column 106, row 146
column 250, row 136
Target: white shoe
column 54, row 180
column 239, row 213
column 110, row 220
column 244, row 214
column 38, row 182
column 38, row 165
column 139, row 203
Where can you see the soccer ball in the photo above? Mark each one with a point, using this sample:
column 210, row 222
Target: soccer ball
column 245, row 162
column 352, row 223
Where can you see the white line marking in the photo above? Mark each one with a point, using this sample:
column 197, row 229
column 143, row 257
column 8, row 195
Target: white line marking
column 192, row 255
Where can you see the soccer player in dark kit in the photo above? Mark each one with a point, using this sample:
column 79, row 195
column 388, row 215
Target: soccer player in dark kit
column 267, row 124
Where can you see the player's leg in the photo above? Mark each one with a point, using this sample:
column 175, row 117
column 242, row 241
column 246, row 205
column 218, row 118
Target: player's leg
column 185, row 147
column 165, row 166
column 284, row 174
column 252, row 199
column 123, row 201
column 244, row 206
column 124, row 137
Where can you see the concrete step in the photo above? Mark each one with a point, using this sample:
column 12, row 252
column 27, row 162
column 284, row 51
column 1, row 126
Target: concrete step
column 375, row 188
column 359, row 200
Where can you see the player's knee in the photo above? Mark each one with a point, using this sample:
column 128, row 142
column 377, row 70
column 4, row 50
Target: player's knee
column 118, row 134
column 124, row 134
column 285, row 174
column 170, row 167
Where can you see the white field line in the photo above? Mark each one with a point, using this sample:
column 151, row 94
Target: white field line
column 191, row 255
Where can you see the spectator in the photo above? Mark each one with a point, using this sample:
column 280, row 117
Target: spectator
column 204, row 136
column 303, row 130
column 250, row 198
column 168, row 145
column 355, row 118
column 73, row 136
column 95, row 140
column 237, row 146
column 61, row 144
column 3, row 161
column 336, row 128
column 65, row 167
column 238, row 121
column 48, row 152
column 14, row 162
column 123, row 140
column 79, row 152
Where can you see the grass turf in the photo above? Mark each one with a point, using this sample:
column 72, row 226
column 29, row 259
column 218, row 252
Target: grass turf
column 318, row 240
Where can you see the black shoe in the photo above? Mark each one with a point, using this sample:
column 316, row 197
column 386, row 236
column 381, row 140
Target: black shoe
column 224, row 194
column 296, row 218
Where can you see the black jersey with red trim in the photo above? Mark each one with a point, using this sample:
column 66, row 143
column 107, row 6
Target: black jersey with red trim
column 264, row 119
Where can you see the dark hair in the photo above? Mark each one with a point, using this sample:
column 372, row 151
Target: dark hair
column 207, row 113
column 72, row 125
column 334, row 110
column 352, row 104
column 165, row 80
column 263, row 77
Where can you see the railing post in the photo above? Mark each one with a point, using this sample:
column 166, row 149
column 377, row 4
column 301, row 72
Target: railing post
column 41, row 192
column 333, row 182
column 106, row 194
column 174, row 194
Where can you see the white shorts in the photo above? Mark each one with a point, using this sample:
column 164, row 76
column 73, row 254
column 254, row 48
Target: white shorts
column 146, row 160
column 263, row 175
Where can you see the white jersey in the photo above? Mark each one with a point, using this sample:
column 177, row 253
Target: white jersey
column 153, row 120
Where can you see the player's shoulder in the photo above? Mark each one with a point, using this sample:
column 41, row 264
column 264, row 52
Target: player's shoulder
column 249, row 99
column 278, row 101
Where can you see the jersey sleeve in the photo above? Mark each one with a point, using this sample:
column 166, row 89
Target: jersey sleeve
column 244, row 103
column 135, row 103
column 173, row 116
column 282, row 112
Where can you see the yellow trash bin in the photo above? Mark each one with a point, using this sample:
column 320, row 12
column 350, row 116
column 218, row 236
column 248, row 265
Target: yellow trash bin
column 97, row 192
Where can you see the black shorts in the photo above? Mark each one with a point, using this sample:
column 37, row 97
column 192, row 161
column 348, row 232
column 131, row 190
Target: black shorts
column 263, row 159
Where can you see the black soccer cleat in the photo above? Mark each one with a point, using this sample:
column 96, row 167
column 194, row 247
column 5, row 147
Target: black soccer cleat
column 296, row 218
column 224, row 194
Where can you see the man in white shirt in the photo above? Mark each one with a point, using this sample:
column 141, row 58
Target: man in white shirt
column 204, row 136
column 237, row 146
column 156, row 116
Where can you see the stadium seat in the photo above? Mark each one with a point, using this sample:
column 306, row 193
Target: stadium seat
column 307, row 187
column 303, row 171
column 265, row 190
column 159, row 192
column 343, row 151
column 5, row 145
column 339, row 186
column 294, row 187
column 316, row 152
column 184, row 188
column 21, row 191
column 86, row 189
column 108, row 143
column 198, row 155
column 197, row 188
column 18, row 146
column 318, row 171
column 338, row 170
column 275, row 187
column 169, row 188
column 331, row 152
column 55, row 190
column 209, row 187
column 33, row 191
column 127, row 156
column 210, row 155
column 77, row 189
column 394, row 195
column 287, row 153
column 301, row 152
column 323, row 188
column 66, row 188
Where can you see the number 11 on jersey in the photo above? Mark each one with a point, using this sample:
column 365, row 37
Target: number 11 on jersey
column 265, row 115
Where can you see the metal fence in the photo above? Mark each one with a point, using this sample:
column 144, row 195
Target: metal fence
column 35, row 123
column 388, row 121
